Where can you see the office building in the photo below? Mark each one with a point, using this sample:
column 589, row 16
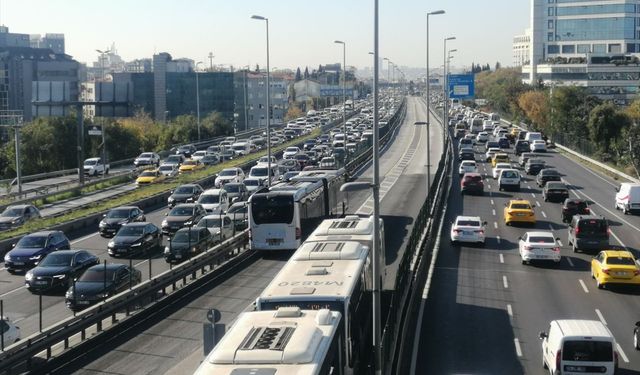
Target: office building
column 521, row 48
column 594, row 44
column 54, row 42
column 256, row 100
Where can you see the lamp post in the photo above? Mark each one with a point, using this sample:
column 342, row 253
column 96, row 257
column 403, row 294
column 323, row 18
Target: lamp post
column 445, row 114
column 388, row 69
column 246, row 114
column 103, row 128
column 434, row 13
column 198, row 99
column 377, row 331
column 266, row 20
column 344, row 95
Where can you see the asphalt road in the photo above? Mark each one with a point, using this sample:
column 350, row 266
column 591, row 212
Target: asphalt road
column 485, row 309
column 172, row 343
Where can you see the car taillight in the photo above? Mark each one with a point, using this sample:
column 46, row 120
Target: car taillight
column 558, row 360
column 298, row 233
column 587, row 210
column 528, row 248
column 480, row 231
column 577, row 231
column 606, row 271
column 636, row 272
column 250, row 235
column 556, row 249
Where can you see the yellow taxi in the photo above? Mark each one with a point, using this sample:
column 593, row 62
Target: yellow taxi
column 514, row 131
column 615, row 267
column 190, row 166
column 150, row 176
column 499, row 157
column 519, row 211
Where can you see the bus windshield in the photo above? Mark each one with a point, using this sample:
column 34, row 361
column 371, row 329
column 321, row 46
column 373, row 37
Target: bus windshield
column 272, row 210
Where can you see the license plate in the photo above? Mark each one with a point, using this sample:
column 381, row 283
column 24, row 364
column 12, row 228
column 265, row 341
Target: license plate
column 273, row 242
column 122, row 250
column 178, row 256
column 467, row 233
column 39, row 282
column 82, row 302
column 575, row 368
column 621, row 273
column 18, row 263
column 521, row 214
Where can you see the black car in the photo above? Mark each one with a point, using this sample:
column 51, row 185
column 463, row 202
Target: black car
column 186, row 243
column 547, row 175
column 303, row 160
column 503, row 142
column 100, row 282
column 210, row 160
column 309, row 144
column 555, row 191
column 186, row 150
column 534, row 166
column 466, row 154
column 187, row 193
column 236, row 191
column 186, row 214
column 117, row 217
column 521, row 146
column 135, row 238
column 31, row 248
column 58, row 269
column 16, row 215
column 572, row 207
column 490, row 144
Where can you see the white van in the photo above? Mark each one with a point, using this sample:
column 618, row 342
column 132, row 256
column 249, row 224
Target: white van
column 509, row 179
column 533, row 136
column 575, row 347
column 241, row 148
column 628, row 197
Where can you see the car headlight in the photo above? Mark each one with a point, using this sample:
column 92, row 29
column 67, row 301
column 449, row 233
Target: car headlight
column 167, row 250
column 69, row 294
column 16, row 220
column 36, row 257
column 102, row 295
column 111, row 244
column 137, row 244
column 60, row 277
column 102, row 224
column 193, row 249
column 187, row 223
column 165, row 223
column 28, row 276
column 171, row 199
column 7, row 258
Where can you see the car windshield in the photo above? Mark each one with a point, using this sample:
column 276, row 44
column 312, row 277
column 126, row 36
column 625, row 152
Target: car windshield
column 97, row 274
column 131, row 231
column 32, row 242
column 237, row 209
column 228, row 172
column 181, row 211
column 535, row 161
column 469, row 223
column 542, row 239
column 184, row 190
column 252, row 182
column 259, row 172
column 118, row 214
column 56, row 260
column 232, row 188
column 148, row 174
column 90, row 162
column 209, row 223
column 292, row 149
column 622, row 261
column 550, row 172
column 556, row 186
column 521, row 206
column 209, row 198
column 12, row 212
column 146, row 155
column 183, row 236
column 509, row 174
column 173, row 159
column 166, row 168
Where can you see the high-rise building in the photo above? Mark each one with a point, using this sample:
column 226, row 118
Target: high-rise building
column 54, row 42
column 522, row 48
column 595, row 44
column 255, row 91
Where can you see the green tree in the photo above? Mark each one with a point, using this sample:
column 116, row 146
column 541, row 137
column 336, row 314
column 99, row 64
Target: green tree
column 605, row 125
column 502, row 89
column 633, row 111
column 298, row 75
column 570, row 108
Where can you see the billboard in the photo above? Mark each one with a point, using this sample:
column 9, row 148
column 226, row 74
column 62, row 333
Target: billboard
column 461, row 86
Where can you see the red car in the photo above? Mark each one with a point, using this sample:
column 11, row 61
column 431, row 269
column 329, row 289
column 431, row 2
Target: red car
column 472, row 183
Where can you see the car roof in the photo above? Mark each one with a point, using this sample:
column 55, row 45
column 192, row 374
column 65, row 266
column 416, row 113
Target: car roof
column 124, row 208
column 579, row 327
column 618, row 253
column 211, row 191
column 136, row 224
column 109, row 266
column 71, row 252
column 43, row 233
column 20, row 206
column 541, row 233
column 468, row 218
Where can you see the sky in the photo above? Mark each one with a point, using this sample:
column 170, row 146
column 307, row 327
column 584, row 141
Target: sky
column 301, row 33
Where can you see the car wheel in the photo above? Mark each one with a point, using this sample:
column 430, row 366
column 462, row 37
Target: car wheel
column 524, row 261
column 625, row 210
column 575, row 249
column 592, row 275
column 636, row 342
column 599, row 284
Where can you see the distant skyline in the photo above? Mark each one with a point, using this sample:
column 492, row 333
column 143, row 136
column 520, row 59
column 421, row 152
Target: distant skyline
column 301, row 33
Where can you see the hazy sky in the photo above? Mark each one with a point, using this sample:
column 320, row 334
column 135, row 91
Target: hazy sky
column 301, row 32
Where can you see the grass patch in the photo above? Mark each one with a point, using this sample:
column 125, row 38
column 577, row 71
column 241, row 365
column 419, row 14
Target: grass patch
column 595, row 167
column 145, row 191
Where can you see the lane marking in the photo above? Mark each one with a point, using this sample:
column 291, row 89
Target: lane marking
column 601, row 317
column 501, row 258
column 505, row 282
column 12, row 291
column 570, row 262
column 510, row 311
column 492, row 203
column 584, row 286
column 498, row 239
column 560, row 243
column 493, row 212
column 533, row 195
column 621, row 352
column 518, row 349
column 495, row 225
column 538, row 204
column 84, row 238
column 489, row 186
column 543, row 214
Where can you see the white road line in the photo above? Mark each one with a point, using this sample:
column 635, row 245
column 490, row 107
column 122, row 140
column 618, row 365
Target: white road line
column 493, row 212
column 601, row 317
column 12, row 291
column 488, row 186
column 550, row 227
column 495, row 225
column 518, row 349
column 622, row 354
column 84, row 238
column 533, row 195
column 570, row 262
column 505, row 282
column 501, row 258
column 509, row 310
column 492, row 203
column 139, row 263
column 560, row 243
column 538, row 204
column 584, row 286
column 543, row 214
column 498, row 239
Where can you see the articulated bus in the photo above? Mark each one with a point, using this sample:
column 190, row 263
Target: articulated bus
column 288, row 341
column 329, row 275
column 281, row 217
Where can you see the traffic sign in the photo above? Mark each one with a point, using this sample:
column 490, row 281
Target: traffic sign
column 213, row 316
column 95, row 130
column 461, row 86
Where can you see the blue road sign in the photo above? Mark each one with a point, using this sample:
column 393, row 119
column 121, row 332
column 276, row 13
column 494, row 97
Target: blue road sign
column 461, row 86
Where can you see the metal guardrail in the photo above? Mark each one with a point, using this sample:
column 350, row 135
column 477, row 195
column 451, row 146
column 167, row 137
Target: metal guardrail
column 128, row 301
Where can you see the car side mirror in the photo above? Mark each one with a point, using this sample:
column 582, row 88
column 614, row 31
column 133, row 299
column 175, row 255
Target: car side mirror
column 542, row 335
column 520, row 237
column 617, row 189
column 104, row 215
column 484, row 223
column 637, row 324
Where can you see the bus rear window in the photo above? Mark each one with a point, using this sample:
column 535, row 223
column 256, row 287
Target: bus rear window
column 272, row 210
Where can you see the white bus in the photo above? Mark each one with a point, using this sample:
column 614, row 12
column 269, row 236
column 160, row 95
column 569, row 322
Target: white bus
column 281, row 217
column 329, row 275
column 287, row 341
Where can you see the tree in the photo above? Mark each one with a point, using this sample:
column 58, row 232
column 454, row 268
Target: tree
column 605, row 125
column 631, row 147
column 298, row 75
column 498, row 66
column 293, row 113
column 501, row 88
column 570, row 108
column 306, row 72
column 535, row 105
column 633, row 111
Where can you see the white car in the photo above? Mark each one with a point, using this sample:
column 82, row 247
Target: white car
column 539, row 246
column 169, row 170
column 467, row 166
column 538, row 146
column 264, row 160
column 214, row 201
column 468, row 229
column 482, row 137
column 11, row 331
column 498, row 168
column 253, row 184
column 290, row 152
column 229, row 175
column 147, row 158
column 491, row 153
column 198, row 155
column 220, row 226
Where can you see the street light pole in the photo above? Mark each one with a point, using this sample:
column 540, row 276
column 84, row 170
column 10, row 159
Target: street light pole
column 344, row 96
column 268, row 102
column 436, row 12
column 198, row 98
column 104, row 128
column 376, row 206
column 445, row 87
column 246, row 113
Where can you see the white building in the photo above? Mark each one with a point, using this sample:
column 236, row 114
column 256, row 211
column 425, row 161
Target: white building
column 522, row 48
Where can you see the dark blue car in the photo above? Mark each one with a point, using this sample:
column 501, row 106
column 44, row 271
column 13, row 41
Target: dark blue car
column 503, row 142
column 31, row 248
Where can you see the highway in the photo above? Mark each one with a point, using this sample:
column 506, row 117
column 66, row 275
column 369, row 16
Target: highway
column 485, row 309
column 171, row 341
